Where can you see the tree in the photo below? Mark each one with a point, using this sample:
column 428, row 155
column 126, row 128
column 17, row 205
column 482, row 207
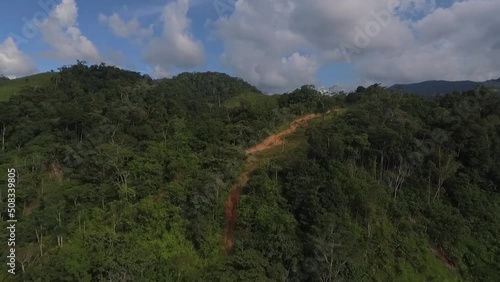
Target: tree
column 329, row 254
column 443, row 166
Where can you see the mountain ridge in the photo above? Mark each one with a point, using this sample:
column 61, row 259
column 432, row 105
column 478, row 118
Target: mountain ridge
column 439, row 87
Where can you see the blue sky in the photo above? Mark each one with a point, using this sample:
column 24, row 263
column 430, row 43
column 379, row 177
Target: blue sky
column 277, row 45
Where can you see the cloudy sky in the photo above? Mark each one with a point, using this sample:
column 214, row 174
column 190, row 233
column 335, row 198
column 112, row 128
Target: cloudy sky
column 277, row 45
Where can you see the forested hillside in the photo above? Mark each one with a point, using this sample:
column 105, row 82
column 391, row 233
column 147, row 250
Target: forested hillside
column 9, row 87
column 124, row 178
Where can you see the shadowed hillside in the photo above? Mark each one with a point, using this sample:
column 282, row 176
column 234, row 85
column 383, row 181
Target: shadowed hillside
column 440, row 87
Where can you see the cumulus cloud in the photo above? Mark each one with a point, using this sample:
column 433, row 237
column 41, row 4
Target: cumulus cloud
column 13, row 62
column 387, row 41
column 125, row 29
column 167, row 46
column 175, row 47
column 454, row 43
column 160, row 72
column 259, row 35
column 260, row 47
column 60, row 31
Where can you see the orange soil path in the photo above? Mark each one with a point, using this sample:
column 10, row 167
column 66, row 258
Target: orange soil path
column 250, row 165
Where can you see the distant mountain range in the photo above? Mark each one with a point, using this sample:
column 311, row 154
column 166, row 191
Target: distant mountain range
column 438, row 87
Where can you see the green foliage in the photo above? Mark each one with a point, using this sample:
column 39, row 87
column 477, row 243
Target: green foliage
column 124, row 178
column 252, row 99
column 9, row 87
column 400, row 164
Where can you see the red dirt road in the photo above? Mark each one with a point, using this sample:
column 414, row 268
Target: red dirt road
column 277, row 139
column 251, row 164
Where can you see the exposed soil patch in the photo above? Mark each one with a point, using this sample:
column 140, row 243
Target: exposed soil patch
column 278, row 138
column 231, row 208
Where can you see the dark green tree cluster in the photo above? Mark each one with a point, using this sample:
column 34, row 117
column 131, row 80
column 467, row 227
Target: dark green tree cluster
column 124, row 178
column 399, row 188
column 307, row 99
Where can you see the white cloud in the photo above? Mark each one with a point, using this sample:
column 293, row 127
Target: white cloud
column 258, row 34
column 125, row 29
column 175, row 47
column 160, row 72
column 455, row 43
column 13, row 62
column 260, row 48
column 406, row 40
column 60, row 31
